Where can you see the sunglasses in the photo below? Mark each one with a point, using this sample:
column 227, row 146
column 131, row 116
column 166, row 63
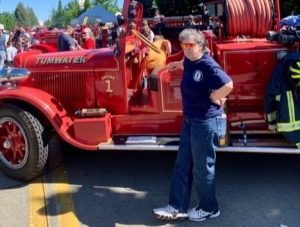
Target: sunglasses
column 188, row 45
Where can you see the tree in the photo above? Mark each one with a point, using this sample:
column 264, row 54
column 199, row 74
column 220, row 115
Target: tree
column 171, row 7
column 25, row 16
column 8, row 19
column 181, row 7
column 289, row 7
column 32, row 17
column 57, row 16
column 148, row 7
column 21, row 15
column 63, row 15
column 87, row 5
column 72, row 10
column 109, row 5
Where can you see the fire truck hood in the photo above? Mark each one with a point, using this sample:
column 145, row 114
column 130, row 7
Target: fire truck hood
column 84, row 60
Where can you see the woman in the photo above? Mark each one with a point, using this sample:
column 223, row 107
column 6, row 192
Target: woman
column 204, row 86
column 88, row 40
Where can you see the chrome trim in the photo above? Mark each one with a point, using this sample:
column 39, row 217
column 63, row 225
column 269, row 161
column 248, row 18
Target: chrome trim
column 146, row 147
column 246, row 122
column 248, row 132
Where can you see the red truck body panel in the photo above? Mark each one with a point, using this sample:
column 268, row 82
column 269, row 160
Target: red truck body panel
column 110, row 78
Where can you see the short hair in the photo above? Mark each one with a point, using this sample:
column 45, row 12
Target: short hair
column 191, row 17
column 132, row 25
column 145, row 23
column 194, row 35
column 69, row 28
column 88, row 30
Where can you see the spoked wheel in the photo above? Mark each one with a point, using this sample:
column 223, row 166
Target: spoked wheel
column 13, row 143
column 23, row 152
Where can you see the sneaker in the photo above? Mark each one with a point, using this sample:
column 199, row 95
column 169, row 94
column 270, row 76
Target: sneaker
column 197, row 214
column 169, row 213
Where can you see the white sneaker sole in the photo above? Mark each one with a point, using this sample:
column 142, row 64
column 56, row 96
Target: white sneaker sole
column 205, row 218
column 166, row 217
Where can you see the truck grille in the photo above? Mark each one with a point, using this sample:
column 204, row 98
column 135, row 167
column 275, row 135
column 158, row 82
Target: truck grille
column 68, row 88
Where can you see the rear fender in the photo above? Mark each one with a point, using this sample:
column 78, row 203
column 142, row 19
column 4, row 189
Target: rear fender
column 50, row 108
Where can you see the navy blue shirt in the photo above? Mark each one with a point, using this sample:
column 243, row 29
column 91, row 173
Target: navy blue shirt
column 65, row 41
column 199, row 78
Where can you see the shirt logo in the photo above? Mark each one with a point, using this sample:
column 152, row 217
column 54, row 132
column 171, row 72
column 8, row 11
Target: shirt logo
column 198, row 76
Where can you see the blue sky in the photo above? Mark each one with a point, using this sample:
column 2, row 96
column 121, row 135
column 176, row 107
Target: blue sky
column 41, row 8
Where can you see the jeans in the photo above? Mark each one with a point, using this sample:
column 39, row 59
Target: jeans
column 2, row 58
column 195, row 160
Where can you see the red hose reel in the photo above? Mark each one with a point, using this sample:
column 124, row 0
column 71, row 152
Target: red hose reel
column 249, row 17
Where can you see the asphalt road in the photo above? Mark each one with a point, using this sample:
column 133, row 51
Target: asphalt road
column 121, row 188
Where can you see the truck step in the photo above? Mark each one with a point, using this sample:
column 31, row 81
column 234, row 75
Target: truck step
column 152, row 143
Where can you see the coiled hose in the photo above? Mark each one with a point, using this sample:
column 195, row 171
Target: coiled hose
column 249, row 17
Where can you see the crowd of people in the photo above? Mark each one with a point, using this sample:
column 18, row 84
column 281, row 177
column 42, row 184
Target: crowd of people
column 80, row 37
column 13, row 42
column 87, row 36
column 77, row 37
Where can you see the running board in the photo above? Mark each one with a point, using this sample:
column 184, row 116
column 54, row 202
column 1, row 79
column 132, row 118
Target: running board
column 153, row 143
column 229, row 149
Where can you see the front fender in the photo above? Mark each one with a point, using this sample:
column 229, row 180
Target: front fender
column 50, row 108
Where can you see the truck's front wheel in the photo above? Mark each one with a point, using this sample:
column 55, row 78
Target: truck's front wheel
column 23, row 154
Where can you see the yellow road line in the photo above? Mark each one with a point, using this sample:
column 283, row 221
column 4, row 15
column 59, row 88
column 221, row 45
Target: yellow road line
column 37, row 215
column 64, row 202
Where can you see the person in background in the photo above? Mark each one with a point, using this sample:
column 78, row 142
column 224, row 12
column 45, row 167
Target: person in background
column 158, row 17
column 65, row 41
column 3, row 42
column 132, row 9
column 147, row 32
column 88, row 40
column 159, row 20
column 156, row 61
column 191, row 21
column 19, row 47
column 204, row 12
column 99, row 34
column 26, row 41
column 17, row 37
column 131, row 26
column 204, row 86
column 11, row 52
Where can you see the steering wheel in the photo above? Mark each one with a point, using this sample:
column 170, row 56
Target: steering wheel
column 146, row 41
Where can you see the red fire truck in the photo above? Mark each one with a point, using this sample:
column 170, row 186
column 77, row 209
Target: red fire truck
column 94, row 99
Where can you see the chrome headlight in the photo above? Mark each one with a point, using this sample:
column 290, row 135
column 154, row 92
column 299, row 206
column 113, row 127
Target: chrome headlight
column 12, row 74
